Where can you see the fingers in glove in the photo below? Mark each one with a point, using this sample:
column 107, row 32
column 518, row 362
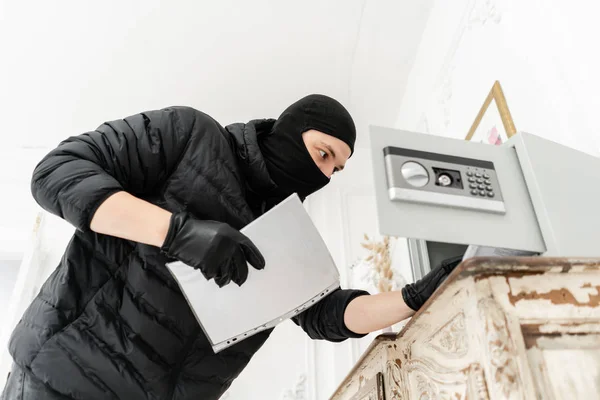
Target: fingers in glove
column 240, row 267
column 253, row 255
column 450, row 263
column 417, row 293
column 208, row 271
column 224, row 275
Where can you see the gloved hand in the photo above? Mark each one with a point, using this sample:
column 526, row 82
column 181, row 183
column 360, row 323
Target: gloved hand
column 416, row 294
column 215, row 248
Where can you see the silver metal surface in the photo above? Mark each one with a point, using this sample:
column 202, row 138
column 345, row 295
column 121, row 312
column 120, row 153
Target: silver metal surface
column 564, row 186
column 516, row 228
column 442, row 199
column 217, row 347
column 445, row 180
column 299, row 272
column 415, row 174
column 419, row 258
column 395, row 175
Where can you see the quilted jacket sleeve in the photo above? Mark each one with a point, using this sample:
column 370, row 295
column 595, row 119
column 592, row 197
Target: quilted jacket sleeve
column 325, row 319
column 135, row 154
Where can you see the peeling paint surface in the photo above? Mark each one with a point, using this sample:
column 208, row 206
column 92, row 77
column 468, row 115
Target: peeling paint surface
column 497, row 328
column 575, row 291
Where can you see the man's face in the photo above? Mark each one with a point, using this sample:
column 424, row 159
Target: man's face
column 329, row 153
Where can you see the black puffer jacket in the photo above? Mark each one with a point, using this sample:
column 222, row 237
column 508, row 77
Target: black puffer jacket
column 110, row 322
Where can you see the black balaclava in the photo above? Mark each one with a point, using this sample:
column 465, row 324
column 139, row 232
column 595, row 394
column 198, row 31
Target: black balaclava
column 289, row 163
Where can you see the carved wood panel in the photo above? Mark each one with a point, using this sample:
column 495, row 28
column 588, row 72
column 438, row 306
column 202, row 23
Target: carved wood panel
column 502, row 352
column 451, row 340
column 425, row 383
column 372, row 390
column 479, row 338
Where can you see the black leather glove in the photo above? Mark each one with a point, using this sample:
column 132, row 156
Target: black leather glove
column 416, row 294
column 215, row 248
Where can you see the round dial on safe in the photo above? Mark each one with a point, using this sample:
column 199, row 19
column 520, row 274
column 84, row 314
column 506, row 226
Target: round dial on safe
column 445, row 180
column 415, row 174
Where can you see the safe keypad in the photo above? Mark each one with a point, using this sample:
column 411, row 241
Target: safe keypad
column 480, row 184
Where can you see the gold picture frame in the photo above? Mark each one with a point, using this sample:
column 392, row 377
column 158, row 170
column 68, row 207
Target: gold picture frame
column 493, row 125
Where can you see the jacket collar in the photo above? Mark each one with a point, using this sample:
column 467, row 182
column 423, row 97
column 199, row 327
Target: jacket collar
column 245, row 138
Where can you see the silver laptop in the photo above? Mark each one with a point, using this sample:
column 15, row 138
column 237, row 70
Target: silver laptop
column 299, row 272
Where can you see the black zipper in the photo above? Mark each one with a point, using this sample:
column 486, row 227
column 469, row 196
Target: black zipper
column 179, row 365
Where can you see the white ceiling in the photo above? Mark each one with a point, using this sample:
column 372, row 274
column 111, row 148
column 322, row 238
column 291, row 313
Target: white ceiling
column 70, row 65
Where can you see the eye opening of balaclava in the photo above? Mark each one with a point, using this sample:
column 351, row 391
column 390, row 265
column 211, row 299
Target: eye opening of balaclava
column 288, row 160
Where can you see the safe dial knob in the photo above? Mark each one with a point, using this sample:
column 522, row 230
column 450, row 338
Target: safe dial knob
column 444, row 180
column 415, row 174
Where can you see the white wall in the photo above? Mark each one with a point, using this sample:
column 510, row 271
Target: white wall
column 18, row 209
column 9, row 270
column 74, row 64
column 542, row 52
column 70, row 65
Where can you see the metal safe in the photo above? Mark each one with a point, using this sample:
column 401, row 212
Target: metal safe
column 445, row 194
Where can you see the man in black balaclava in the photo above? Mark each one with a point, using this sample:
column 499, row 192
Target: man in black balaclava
column 289, row 162
column 164, row 185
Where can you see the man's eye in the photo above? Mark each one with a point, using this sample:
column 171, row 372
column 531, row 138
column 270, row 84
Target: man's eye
column 323, row 154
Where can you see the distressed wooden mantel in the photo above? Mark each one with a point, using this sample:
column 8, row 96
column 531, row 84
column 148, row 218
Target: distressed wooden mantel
column 498, row 328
